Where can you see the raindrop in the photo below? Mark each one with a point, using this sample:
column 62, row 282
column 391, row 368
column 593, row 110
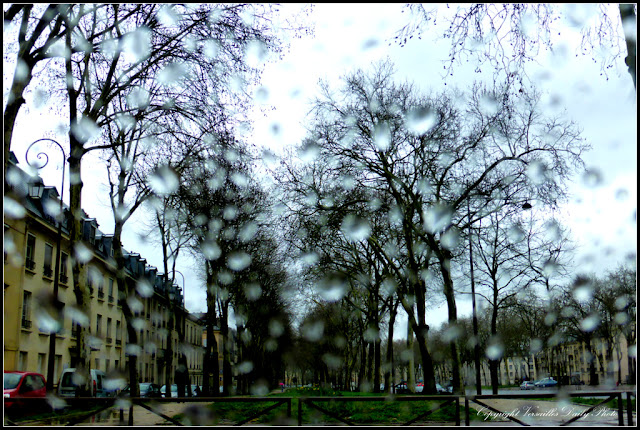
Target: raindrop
column 590, row 323
column 76, row 315
column 238, row 261
column 420, row 120
column 437, row 218
column 495, row 351
column 168, row 16
column 583, row 292
column 515, row 234
column 115, row 383
column 332, row 361
column 592, row 177
column 536, row 346
column 164, row 181
column 550, row 318
column 488, row 105
column 260, row 388
column 240, row 179
column 333, row 288
column 451, row 333
column 13, row 209
column 313, row 331
column 622, row 194
column 132, row 349
column 252, row 291
column 136, row 45
column 244, row 367
column 83, row 253
column 622, row 302
column 262, row 95
column 537, row 172
column 355, row 228
column 450, row 239
column 144, row 288
column 371, row 334
column 553, row 231
column 171, row 74
column 230, row 212
column 309, row 151
column 86, row 130
column 550, row 268
column 47, row 323
column 256, row 53
column 248, row 231
column 211, row 49
column 95, row 343
column 621, row 318
column 382, row 136
column 370, row 43
column 276, row 329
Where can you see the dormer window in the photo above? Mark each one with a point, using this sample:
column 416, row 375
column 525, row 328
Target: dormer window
column 92, row 235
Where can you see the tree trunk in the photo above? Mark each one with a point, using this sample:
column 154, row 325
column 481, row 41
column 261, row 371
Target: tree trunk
column 226, row 356
column 627, row 14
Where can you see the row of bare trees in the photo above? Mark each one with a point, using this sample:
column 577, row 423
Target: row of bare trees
column 153, row 88
column 395, row 179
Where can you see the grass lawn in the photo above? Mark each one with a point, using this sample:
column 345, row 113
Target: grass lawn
column 368, row 412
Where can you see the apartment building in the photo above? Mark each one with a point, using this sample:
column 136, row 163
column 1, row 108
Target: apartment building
column 30, row 242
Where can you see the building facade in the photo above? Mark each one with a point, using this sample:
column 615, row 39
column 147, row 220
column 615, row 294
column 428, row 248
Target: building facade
column 30, row 247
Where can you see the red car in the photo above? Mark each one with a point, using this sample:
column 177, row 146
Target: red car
column 23, row 384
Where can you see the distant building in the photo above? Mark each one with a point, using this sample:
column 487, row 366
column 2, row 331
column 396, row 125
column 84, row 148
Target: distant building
column 29, row 259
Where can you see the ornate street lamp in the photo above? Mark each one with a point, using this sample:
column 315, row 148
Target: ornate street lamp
column 38, row 193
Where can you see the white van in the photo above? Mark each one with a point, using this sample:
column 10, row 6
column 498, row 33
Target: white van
column 67, row 385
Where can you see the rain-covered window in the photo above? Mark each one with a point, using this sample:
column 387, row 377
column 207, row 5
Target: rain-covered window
column 319, row 201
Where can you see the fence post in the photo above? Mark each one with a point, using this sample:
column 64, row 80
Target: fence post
column 131, row 414
column 620, row 410
column 629, row 410
column 458, row 411
column 466, row 411
column 300, row 411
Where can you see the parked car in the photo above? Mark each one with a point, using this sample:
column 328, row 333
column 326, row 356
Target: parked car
column 419, row 387
column 401, row 388
column 174, row 390
column 527, row 385
column 69, row 381
column 146, row 389
column 546, row 382
column 23, row 384
column 441, row 390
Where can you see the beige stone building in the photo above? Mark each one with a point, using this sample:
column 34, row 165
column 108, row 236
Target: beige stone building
column 30, row 237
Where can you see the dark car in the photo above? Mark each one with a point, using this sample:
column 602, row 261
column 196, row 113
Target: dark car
column 546, row 382
column 23, row 384
column 147, row 389
column 401, row 388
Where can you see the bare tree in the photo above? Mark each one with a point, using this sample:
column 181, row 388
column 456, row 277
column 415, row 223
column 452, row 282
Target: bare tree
column 507, row 36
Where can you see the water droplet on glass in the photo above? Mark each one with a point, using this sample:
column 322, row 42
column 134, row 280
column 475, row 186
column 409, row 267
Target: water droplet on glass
column 437, row 218
column 515, row 234
column 420, row 120
column 535, row 346
column 495, row 351
column 382, row 136
column 47, row 323
column 13, row 209
column 164, row 181
column 355, row 228
column 537, row 172
column 276, row 329
column 260, row 388
column 312, row 331
column 86, row 130
column 256, row 53
column 332, row 361
column 244, row 367
column 132, row 349
column 489, row 105
column 371, row 334
column 136, row 45
column 238, row 261
column 333, row 288
column 592, row 177
column 82, row 253
column 210, row 250
column 451, row 333
column 171, row 74
column 144, row 288
column 590, row 323
column 252, row 291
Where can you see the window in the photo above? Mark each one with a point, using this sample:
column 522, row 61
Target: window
column 63, row 268
column 108, row 330
column 30, row 252
column 48, row 260
column 118, row 334
column 98, row 324
column 92, row 235
column 110, row 290
column 26, row 310
column 22, row 361
column 42, row 363
column 100, row 288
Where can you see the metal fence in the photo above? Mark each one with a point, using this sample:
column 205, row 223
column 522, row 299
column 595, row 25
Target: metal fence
column 89, row 407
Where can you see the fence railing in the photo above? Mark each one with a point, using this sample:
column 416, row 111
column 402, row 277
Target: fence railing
column 91, row 406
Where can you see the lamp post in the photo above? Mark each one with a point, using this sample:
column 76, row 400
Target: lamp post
column 180, row 273
column 476, row 348
column 56, row 279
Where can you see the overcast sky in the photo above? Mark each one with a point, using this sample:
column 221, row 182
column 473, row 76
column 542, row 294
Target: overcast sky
column 601, row 215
